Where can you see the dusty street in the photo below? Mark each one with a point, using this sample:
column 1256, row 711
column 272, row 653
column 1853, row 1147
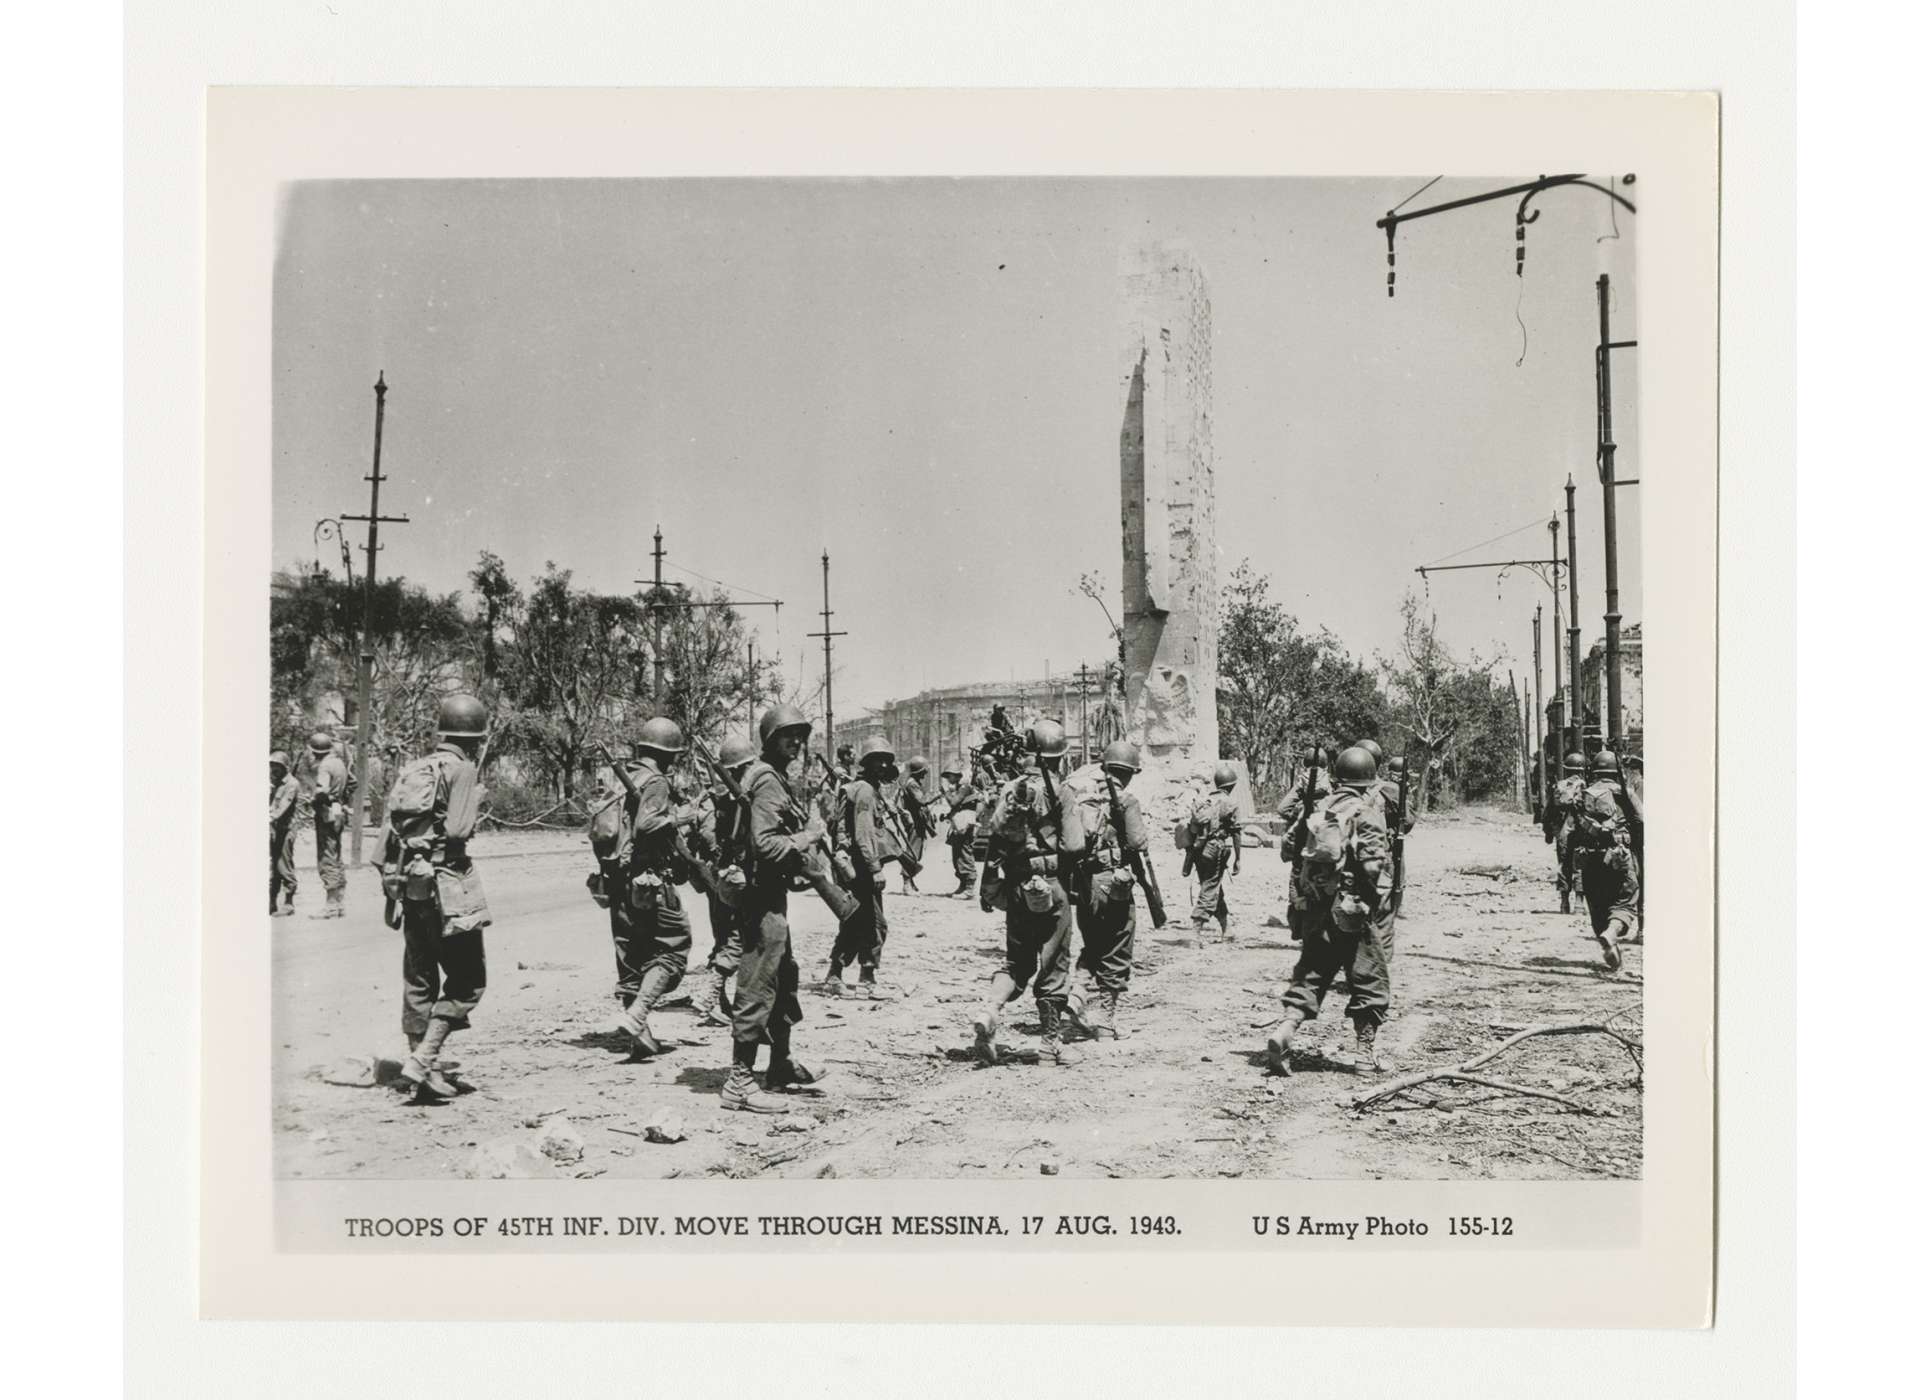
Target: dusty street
column 1482, row 953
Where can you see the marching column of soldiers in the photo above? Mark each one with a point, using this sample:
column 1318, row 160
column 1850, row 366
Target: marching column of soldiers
column 1050, row 853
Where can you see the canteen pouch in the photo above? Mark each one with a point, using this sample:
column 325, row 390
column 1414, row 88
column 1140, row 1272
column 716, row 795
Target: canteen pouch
column 1350, row 914
column 1109, row 891
column 732, row 886
column 843, row 867
column 419, row 880
column 393, row 882
column 463, row 904
column 597, row 887
column 1038, row 893
column 646, row 891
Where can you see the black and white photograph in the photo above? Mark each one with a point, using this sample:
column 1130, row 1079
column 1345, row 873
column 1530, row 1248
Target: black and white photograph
column 949, row 679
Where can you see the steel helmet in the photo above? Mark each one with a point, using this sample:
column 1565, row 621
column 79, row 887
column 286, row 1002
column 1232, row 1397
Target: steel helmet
column 949, row 772
column 1379, row 754
column 1317, row 758
column 1225, row 775
column 1355, row 765
column 917, row 765
column 279, row 756
column 462, row 717
column 1047, row 738
column 1576, row 762
column 875, row 746
column 1121, row 754
column 738, row 749
column 319, row 741
column 661, row 735
column 1397, row 767
column 783, row 717
column 1606, row 761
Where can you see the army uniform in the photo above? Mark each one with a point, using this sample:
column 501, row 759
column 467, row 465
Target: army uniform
column 1602, row 834
column 331, row 790
column 766, row 999
column 916, row 817
column 863, row 938
column 1343, row 892
column 283, row 806
column 1561, row 811
column 962, row 797
column 1390, row 795
column 1213, row 835
column 1103, row 891
column 1035, row 839
column 721, row 837
column 652, row 935
column 426, row 869
column 1291, row 807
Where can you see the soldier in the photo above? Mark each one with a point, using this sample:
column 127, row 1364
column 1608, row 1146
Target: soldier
column 781, row 832
column 431, row 814
column 639, row 842
column 916, row 817
column 1602, row 833
column 1103, row 890
column 378, row 776
column 1212, row 831
column 1034, row 833
column 1374, row 751
column 721, row 835
column 283, row 805
column 845, row 770
column 1396, row 815
column 331, row 794
column 1563, row 803
column 1292, row 806
column 865, row 841
column 1345, row 881
column 963, row 813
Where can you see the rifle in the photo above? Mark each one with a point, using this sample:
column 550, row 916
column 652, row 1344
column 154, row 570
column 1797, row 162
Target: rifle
column 1139, row 862
column 704, row 877
column 1298, row 834
column 816, row 870
column 1399, row 834
column 909, row 866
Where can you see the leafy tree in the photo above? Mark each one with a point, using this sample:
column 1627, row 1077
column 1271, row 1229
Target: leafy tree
column 1283, row 690
column 1462, row 724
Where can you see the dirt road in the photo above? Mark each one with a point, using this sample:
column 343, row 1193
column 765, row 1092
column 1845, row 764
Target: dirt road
column 1482, row 952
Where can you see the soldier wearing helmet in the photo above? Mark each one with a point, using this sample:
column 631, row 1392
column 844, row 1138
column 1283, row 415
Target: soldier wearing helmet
column 867, row 845
column 1103, row 885
column 1213, row 835
column 1603, row 832
column 1034, row 835
column 641, row 864
column 432, row 811
column 1396, row 812
column 1346, row 886
column 283, row 806
column 1310, row 788
column 916, row 799
column 783, row 835
column 720, row 834
column 1562, row 804
column 963, row 814
column 332, row 794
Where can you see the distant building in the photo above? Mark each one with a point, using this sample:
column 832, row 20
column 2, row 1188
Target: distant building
column 1592, row 692
column 944, row 724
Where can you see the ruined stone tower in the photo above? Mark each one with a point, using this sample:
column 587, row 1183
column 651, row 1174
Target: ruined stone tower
column 1166, row 503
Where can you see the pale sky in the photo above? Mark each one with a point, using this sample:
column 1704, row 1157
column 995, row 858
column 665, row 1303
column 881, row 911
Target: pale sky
column 922, row 377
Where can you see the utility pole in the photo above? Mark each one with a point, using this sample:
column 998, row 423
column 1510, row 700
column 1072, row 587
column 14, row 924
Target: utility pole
column 752, row 675
column 1573, row 625
column 374, row 519
column 659, row 554
column 1616, row 730
column 1085, row 753
column 1539, row 707
column 1520, row 729
column 1559, row 652
column 658, row 606
column 826, row 634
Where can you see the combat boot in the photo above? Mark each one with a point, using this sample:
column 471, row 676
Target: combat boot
column 788, row 1076
column 986, row 1036
column 653, row 986
column 1566, row 901
column 1053, row 1045
column 1079, row 998
column 1609, row 948
column 1364, row 1036
column 741, row 1095
column 833, row 984
column 710, row 999
column 1108, row 1025
column 1280, row 1043
column 420, row 1071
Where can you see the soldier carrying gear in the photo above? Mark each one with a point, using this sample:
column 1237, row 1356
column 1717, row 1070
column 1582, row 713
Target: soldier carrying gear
column 781, row 842
column 331, row 804
column 721, row 837
column 867, row 845
column 638, row 841
column 1602, row 833
column 283, row 806
column 916, row 818
column 1396, row 811
column 432, row 810
column 1378, row 754
column 1116, row 834
column 1034, row 834
column 963, row 814
column 1563, row 802
column 1213, row 833
column 1345, row 882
